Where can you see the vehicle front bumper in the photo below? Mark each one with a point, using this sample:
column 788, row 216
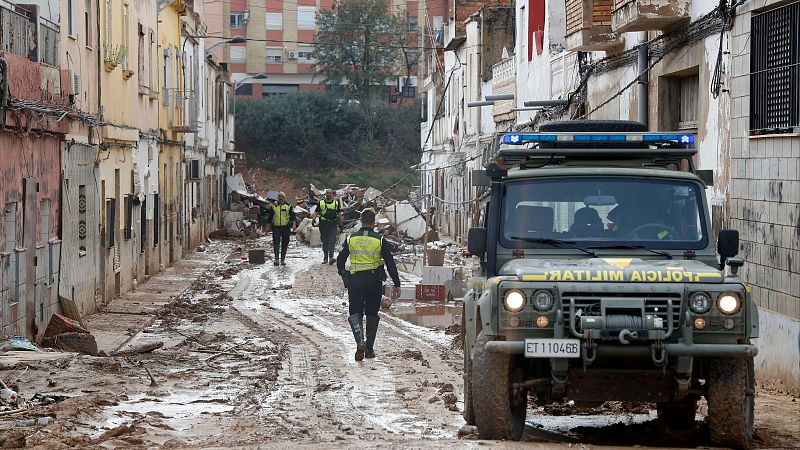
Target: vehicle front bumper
column 676, row 349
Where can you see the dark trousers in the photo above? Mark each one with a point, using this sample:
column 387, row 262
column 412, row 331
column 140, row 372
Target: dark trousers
column 364, row 293
column 280, row 241
column 327, row 231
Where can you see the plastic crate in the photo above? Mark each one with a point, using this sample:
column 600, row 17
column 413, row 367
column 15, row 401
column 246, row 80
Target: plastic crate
column 430, row 293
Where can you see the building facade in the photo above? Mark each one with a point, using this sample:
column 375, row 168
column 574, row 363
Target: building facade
column 280, row 43
column 114, row 148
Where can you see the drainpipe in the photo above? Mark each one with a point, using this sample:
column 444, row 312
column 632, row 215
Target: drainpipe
column 641, row 86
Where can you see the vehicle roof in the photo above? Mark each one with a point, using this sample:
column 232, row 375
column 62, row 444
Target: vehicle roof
column 551, row 171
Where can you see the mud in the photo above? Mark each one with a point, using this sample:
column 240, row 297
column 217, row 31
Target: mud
column 263, row 356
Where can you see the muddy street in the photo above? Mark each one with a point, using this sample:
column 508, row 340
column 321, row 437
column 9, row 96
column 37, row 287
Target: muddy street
column 222, row 353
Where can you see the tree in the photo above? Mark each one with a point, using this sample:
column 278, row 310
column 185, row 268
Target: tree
column 359, row 45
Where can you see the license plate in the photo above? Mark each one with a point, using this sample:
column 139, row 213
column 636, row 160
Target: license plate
column 552, row 348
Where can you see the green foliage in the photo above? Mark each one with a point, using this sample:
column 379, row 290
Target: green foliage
column 315, row 137
column 360, row 45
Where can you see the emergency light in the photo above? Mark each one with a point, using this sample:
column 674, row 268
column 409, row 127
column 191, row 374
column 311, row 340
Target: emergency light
column 525, row 138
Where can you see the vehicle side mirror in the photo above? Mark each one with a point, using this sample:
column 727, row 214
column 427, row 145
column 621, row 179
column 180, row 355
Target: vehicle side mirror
column 476, row 241
column 727, row 245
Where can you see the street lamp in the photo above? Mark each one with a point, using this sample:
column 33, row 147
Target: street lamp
column 240, row 83
column 233, row 40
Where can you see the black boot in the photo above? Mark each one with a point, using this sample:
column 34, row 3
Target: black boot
column 358, row 334
column 372, row 330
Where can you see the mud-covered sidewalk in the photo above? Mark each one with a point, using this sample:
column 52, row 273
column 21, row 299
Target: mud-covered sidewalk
column 216, row 352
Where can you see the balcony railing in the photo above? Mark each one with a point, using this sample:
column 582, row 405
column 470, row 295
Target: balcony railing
column 589, row 25
column 644, row 15
column 503, row 71
column 49, row 37
column 17, row 33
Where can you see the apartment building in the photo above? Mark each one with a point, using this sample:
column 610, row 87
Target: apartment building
column 280, row 43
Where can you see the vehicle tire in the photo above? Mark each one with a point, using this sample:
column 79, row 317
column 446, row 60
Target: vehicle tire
column 611, row 126
column 678, row 415
column 731, row 402
column 469, row 411
column 501, row 413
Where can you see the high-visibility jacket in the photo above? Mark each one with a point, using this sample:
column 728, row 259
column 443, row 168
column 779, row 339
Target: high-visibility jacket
column 280, row 217
column 325, row 207
column 365, row 252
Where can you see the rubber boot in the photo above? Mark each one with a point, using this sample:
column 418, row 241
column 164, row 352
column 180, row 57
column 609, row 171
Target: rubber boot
column 358, row 334
column 372, row 330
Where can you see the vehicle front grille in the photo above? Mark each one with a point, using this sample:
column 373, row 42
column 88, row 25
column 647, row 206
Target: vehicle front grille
column 655, row 303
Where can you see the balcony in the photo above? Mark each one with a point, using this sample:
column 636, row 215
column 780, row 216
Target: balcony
column 49, row 37
column 589, row 26
column 17, row 33
column 645, row 15
column 504, row 81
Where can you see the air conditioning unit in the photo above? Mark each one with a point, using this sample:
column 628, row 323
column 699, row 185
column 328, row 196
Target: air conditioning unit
column 291, row 54
column 75, row 83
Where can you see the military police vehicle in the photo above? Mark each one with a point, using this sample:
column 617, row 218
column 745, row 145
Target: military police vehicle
column 602, row 282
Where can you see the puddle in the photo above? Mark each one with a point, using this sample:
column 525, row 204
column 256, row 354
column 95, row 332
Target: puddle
column 179, row 411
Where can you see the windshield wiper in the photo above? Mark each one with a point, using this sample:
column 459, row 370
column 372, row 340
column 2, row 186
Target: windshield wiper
column 554, row 242
column 634, row 247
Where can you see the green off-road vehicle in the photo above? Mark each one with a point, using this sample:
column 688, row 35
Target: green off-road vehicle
column 602, row 282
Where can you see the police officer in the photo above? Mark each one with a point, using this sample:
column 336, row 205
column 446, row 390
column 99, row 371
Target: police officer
column 366, row 248
column 283, row 223
column 330, row 218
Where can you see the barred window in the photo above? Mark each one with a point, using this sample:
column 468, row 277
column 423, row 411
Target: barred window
column 775, row 70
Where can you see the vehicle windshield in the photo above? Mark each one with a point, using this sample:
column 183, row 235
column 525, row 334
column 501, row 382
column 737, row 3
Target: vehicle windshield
column 603, row 213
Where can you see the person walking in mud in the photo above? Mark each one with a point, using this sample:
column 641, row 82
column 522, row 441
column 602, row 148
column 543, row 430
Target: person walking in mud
column 283, row 223
column 330, row 219
column 365, row 248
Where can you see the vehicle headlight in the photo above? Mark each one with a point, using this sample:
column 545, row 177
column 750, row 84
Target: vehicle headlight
column 514, row 300
column 700, row 302
column 728, row 303
column 542, row 300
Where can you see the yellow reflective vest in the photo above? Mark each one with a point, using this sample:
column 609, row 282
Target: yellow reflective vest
column 324, row 206
column 365, row 252
column 280, row 218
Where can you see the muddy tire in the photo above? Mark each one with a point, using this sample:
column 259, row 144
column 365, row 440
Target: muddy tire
column 500, row 413
column 678, row 415
column 469, row 411
column 731, row 401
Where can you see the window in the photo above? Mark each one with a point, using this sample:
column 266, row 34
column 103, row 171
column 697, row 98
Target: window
column 274, row 56
column 143, row 224
column 238, row 20
column 274, row 21
column 689, row 91
column 276, row 89
column 156, row 219
column 775, row 70
column 127, row 232
column 111, row 215
column 306, row 17
column 305, row 55
column 153, row 62
column 412, row 24
column 596, row 211
column 238, row 54
column 194, row 169
column 71, row 17
column 126, row 39
column 87, row 22
column 108, row 22
column 142, row 53
column 409, row 91
column 245, row 89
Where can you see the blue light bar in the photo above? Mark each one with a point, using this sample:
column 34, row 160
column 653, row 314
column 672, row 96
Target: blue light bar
column 680, row 138
column 523, row 138
column 599, row 137
column 520, row 139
